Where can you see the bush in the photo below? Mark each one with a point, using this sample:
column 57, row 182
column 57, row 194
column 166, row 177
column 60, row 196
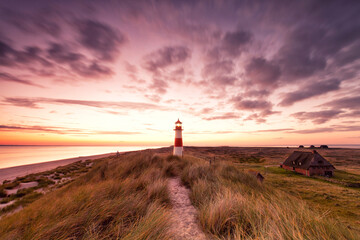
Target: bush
column 2, row 193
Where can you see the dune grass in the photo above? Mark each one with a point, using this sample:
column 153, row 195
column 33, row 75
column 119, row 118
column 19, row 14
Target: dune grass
column 122, row 198
column 234, row 205
column 127, row 198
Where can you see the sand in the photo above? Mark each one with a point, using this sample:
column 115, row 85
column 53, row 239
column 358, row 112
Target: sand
column 185, row 225
column 19, row 171
column 21, row 186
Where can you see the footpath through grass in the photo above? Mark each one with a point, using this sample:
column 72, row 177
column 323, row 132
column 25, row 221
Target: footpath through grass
column 128, row 198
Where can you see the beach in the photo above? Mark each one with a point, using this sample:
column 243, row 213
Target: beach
column 19, row 171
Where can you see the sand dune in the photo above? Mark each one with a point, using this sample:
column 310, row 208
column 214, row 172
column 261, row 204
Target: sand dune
column 18, row 171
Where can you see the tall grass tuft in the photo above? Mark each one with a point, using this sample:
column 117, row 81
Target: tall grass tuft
column 119, row 198
column 234, row 205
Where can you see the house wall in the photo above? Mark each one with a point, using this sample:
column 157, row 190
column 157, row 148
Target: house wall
column 312, row 170
column 299, row 170
column 319, row 170
column 302, row 171
column 287, row 167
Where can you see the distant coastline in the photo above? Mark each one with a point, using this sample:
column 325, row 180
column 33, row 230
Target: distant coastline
column 19, row 171
column 11, row 156
column 291, row 145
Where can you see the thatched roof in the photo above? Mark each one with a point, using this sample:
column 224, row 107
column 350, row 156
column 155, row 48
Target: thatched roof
column 305, row 160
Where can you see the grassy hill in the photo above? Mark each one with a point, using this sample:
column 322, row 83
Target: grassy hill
column 127, row 198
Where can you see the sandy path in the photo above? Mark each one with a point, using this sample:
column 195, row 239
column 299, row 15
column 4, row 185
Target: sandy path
column 185, row 225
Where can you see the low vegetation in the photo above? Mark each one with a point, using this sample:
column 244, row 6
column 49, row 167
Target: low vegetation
column 43, row 181
column 234, row 205
column 123, row 198
column 128, row 198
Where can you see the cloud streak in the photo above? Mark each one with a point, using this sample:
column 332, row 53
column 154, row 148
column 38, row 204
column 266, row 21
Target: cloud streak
column 35, row 102
column 311, row 90
column 317, row 117
column 61, row 130
column 225, row 116
column 10, row 78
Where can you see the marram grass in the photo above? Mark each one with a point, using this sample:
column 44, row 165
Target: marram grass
column 128, row 198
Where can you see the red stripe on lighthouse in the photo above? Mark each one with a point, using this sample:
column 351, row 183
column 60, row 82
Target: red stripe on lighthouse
column 178, row 142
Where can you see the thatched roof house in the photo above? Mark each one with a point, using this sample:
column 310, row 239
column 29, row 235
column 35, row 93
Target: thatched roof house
column 308, row 163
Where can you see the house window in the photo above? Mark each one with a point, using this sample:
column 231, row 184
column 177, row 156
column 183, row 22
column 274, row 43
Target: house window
column 320, row 162
column 300, row 163
column 294, row 162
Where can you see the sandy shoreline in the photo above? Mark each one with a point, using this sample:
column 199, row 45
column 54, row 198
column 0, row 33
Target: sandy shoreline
column 23, row 170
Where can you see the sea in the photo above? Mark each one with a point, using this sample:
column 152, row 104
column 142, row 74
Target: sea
column 11, row 156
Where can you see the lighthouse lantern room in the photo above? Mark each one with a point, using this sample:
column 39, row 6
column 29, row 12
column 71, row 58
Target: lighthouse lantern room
column 178, row 146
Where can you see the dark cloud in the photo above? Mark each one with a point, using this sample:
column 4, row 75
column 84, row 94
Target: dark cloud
column 256, row 93
column 262, row 108
column 233, row 43
column 352, row 114
column 256, row 117
column 166, row 56
column 317, row 117
column 228, row 115
column 220, row 73
column 310, row 90
column 165, row 64
column 261, row 116
column 34, row 102
column 44, row 21
column 223, row 80
column 348, row 55
column 324, row 32
column 262, row 72
column 218, row 68
column 91, row 70
column 315, row 130
column 100, row 38
column 243, row 104
column 298, row 57
column 12, row 57
column 10, row 78
column 77, row 62
column 22, row 102
column 61, row 54
column 344, row 103
column 332, row 128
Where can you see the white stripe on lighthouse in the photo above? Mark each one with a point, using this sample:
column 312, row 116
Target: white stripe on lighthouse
column 178, row 151
column 178, row 134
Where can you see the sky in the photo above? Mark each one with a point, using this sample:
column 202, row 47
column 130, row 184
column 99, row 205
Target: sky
column 236, row 73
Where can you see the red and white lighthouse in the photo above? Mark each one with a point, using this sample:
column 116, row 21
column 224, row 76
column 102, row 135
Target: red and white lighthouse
column 178, row 146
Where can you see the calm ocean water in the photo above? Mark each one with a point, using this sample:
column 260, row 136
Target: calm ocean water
column 11, row 156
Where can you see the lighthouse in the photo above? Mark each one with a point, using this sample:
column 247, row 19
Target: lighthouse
column 178, row 146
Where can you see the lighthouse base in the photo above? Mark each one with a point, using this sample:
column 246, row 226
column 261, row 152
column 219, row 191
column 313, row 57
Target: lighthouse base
column 178, row 151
